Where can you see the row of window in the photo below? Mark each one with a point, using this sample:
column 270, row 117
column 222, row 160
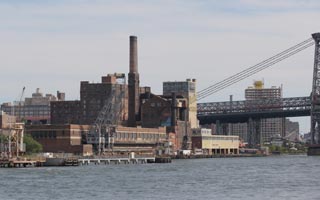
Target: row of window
column 219, row 138
column 135, row 136
column 24, row 108
column 33, row 113
column 43, row 134
column 153, row 104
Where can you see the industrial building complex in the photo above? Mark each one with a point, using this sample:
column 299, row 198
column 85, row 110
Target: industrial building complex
column 118, row 116
column 114, row 116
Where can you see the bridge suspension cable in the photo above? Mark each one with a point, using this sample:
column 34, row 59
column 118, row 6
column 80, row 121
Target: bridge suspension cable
column 254, row 69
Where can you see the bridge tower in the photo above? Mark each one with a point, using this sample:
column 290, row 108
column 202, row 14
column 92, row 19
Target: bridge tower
column 315, row 95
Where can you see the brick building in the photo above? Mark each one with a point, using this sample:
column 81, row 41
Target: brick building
column 93, row 97
column 155, row 111
column 71, row 138
column 66, row 112
column 175, row 110
column 35, row 109
column 168, row 111
column 66, row 138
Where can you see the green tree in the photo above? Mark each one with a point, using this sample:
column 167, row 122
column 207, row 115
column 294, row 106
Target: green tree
column 3, row 138
column 272, row 148
column 32, row 146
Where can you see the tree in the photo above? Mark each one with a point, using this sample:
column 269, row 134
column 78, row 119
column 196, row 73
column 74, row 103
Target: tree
column 32, row 146
column 3, row 138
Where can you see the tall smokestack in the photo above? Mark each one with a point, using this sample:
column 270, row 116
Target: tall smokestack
column 133, row 55
column 133, row 83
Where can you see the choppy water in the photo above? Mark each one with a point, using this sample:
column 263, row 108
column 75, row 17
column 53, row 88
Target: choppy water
column 277, row 177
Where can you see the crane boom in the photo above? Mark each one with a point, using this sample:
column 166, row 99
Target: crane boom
column 19, row 105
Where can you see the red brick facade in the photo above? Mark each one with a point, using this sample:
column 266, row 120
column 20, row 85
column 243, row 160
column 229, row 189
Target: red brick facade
column 59, row 138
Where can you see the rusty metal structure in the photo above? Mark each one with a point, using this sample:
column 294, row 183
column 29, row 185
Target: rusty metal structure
column 101, row 132
column 241, row 111
column 315, row 95
column 11, row 141
column 252, row 112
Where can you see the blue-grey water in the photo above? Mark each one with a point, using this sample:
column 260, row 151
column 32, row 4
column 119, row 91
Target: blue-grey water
column 274, row 177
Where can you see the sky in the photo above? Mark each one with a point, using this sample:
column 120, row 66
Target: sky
column 53, row 45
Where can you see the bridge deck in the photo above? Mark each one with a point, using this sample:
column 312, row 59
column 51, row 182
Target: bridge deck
column 241, row 111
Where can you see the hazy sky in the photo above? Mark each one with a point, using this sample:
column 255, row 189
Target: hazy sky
column 54, row 45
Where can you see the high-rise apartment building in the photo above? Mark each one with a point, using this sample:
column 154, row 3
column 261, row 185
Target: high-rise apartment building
column 268, row 127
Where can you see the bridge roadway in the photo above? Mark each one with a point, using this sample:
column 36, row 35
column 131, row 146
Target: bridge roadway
column 241, row 111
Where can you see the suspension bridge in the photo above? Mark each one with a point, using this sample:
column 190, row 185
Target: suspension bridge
column 253, row 110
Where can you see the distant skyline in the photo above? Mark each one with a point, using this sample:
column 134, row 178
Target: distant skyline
column 53, row 45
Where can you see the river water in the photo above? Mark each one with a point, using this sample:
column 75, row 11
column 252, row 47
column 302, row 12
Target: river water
column 274, row 177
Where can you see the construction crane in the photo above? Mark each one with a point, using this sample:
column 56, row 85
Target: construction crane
column 16, row 131
column 102, row 130
column 19, row 105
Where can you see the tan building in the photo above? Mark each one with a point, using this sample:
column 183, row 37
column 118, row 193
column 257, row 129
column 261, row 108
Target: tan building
column 214, row 144
column 11, row 131
column 138, row 139
column 6, row 120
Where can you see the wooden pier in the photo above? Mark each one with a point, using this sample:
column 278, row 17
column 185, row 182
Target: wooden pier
column 12, row 163
column 79, row 161
column 107, row 161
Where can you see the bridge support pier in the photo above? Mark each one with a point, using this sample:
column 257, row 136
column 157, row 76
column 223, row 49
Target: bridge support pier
column 254, row 130
column 218, row 128
column 315, row 95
